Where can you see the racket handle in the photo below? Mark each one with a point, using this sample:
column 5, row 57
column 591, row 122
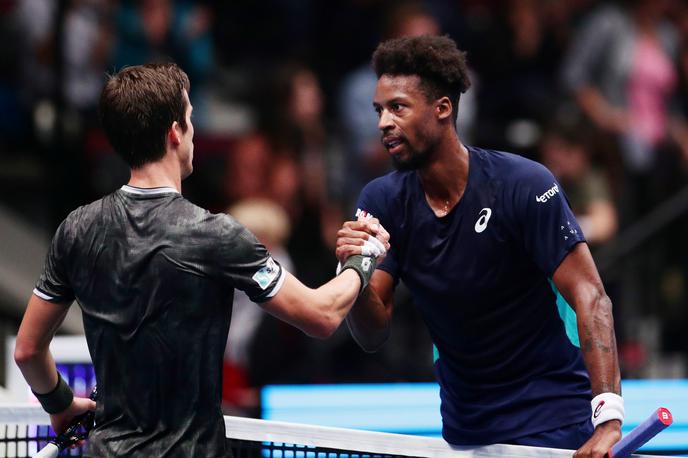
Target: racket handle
column 660, row 419
column 49, row 451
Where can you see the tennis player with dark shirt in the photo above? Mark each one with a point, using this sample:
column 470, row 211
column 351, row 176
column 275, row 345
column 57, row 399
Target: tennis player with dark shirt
column 493, row 256
column 154, row 277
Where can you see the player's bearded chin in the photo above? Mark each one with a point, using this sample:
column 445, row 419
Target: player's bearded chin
column 414, row 160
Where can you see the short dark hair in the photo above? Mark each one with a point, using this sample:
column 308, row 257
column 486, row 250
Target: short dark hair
column 440, row 65
column 137, row 107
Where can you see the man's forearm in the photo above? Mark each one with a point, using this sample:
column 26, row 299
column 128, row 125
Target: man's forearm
column 32, row 349
column 598, row 344
column 38, row 368
column 317, row 312
column 369, row 321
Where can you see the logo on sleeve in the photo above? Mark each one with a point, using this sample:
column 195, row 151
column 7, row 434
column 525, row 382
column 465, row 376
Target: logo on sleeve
column 483, row 218
column 547, row 195
column 267, row 274
column 363, row 214
column 569, row 229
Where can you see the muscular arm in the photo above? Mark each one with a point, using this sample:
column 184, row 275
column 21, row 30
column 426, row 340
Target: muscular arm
column 578, row 281
column 317, row 312
column 369, row 319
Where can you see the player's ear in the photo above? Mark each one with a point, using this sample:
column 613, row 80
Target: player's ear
column 174, row 134
column 443, row 108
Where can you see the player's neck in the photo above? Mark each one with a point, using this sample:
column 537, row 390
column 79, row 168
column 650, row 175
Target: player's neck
column 444, row 178
column 162, row 173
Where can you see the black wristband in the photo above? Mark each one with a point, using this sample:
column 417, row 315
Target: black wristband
column 58, row 399
column 364, row 267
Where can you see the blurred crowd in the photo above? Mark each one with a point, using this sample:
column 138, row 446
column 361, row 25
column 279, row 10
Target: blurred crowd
column 286, row 137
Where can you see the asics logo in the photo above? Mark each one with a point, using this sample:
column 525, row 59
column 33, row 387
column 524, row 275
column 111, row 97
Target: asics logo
column 483, row 218
column 547, row 195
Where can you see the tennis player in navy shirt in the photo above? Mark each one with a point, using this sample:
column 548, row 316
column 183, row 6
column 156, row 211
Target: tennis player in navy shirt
column 496, row 263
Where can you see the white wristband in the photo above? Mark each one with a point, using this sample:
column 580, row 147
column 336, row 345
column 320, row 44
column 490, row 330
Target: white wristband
column 605, row 407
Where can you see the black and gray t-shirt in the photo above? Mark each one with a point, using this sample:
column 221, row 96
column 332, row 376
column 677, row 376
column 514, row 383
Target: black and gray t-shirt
column 154, row 276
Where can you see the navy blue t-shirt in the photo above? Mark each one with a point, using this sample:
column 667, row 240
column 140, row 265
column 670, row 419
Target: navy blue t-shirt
column 481, row 278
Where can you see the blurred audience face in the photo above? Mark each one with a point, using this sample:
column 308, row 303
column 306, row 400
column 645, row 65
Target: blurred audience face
column 564, row 159
column 417, row 25
column 247, row 166
column 285, row 180
column 411, row 20
column 306, row 99
column 157, row 19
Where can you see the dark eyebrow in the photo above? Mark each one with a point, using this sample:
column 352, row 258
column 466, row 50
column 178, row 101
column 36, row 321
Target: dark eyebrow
column 391, row 101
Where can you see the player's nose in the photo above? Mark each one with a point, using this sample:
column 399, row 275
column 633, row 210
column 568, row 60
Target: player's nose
column 385, row 122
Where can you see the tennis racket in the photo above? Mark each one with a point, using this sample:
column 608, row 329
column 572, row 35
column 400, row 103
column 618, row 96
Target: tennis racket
column 660, row 419
column 75, row 433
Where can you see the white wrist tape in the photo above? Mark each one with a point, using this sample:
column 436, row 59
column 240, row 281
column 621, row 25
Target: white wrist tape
column 373, row 247
column 605, row 407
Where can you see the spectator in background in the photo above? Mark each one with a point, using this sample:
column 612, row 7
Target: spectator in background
column 62, row 72
column 566, row 152
column 675, row 287
column 248, row 169
column 517, row 53
column 86, row 49
column 167, row 30
column 680, row 129
column 306, row 164
column 620, row 70
column 256, row 168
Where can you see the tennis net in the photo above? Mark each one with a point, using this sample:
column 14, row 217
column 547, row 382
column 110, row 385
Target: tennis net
column 24, row 430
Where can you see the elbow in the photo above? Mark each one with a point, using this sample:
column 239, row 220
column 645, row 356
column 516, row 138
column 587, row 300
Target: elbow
column 369, row 342
column 25, row 354
column 600, row 309
column 604, row 309
column 323, row 327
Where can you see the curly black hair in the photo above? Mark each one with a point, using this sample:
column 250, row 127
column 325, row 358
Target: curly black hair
column 440, row 65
